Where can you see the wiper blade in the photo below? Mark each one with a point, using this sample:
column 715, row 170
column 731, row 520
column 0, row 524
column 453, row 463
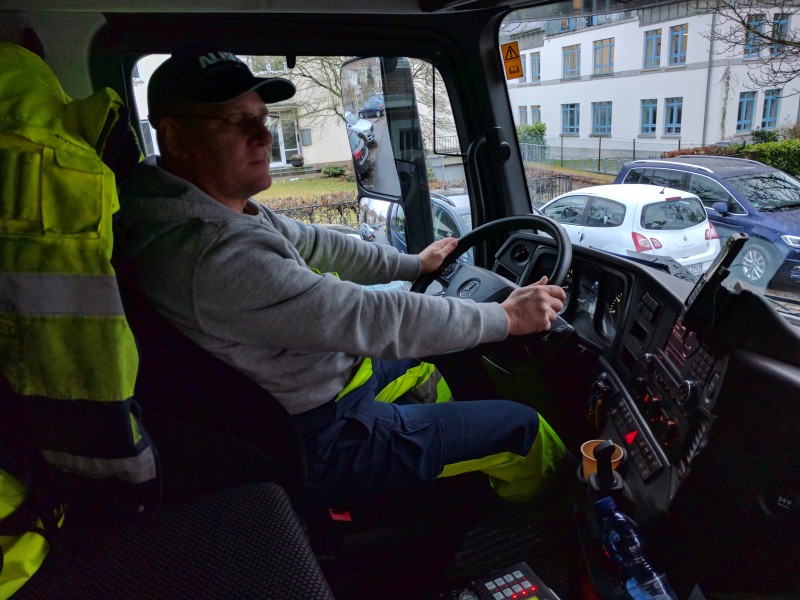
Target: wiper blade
column 783, row 305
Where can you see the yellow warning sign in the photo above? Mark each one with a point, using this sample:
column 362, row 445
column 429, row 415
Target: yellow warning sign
column 511, row 60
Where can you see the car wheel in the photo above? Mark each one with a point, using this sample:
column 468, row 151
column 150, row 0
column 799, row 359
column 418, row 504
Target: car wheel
column 360, row 115
column 379, row 113
column 756, row 261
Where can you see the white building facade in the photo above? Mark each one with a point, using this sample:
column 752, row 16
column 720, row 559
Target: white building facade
column 650, row 79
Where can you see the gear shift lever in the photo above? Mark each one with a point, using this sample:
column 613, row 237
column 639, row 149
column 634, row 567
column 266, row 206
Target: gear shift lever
column 605, row 474
column 606, row 481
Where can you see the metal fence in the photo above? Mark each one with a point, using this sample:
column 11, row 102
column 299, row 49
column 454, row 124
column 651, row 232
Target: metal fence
column 599, row 154
column 545, row 188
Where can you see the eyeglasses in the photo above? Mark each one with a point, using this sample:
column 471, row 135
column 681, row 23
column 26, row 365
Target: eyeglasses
column 245, row 122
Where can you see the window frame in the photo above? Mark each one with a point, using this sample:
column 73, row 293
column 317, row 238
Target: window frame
column 746, row 111
column 652, row 49
column 780, row 28
column 753, row 37
column 649, row 109
column 672, row 107
column 603, row 53
column 536, row 67
column 771, row 110
column 601, row 118
column 570, row 111
column 571, row 54
column 678, row 44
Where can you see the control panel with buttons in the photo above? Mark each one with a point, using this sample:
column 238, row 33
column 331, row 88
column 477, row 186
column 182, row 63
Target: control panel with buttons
column 517, row 582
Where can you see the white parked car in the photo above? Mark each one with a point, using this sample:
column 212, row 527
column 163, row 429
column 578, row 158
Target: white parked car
column 648, row 219
column 360, row 126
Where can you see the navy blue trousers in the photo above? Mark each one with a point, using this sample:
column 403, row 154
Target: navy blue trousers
column 357, row 445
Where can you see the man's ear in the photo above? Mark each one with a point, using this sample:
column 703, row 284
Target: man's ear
column 175, row 138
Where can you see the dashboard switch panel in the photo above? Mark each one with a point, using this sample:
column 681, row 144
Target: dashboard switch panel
column 640, row 451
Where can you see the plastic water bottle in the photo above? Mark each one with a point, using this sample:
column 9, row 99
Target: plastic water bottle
column 622, row 541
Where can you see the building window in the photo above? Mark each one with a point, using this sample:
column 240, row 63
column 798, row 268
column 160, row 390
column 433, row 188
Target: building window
column 570, row 119
column 673, row 107
column 649, row 113
column 755, row 36
column 652, row 49
column 536, row 66
column 601, row 118
column 744, row 118
column 571, row 64
column 678, row 37
column 148, row 147
column 135, row 75
column 772, row 100
column 522, row 61
column 780, row 28
column 523, row 115
column 568, row 24
column 536, row 114
column 604, row 56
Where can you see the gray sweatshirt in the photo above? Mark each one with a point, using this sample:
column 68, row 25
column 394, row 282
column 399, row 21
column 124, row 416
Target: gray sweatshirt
column 257, row 291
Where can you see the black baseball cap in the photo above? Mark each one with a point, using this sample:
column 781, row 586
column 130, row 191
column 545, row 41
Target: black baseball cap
column 205, row 74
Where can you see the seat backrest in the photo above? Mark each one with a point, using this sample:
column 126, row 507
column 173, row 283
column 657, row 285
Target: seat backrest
column 179, row 378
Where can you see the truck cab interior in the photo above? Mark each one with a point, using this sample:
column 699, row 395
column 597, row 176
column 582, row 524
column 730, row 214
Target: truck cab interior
column 698, row 381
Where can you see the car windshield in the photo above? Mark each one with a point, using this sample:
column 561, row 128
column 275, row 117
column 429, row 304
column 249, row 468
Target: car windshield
column 350, row 118
column 680, row 213
column 768, row 191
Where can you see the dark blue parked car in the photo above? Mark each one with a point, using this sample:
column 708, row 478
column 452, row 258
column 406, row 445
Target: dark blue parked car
column 740, row 195
column 373, row 107
column 452, row 217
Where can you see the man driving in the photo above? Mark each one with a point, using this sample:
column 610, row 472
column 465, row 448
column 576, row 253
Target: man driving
column 283, row 302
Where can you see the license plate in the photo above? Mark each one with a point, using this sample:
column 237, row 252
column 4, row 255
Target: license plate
column 695, row 269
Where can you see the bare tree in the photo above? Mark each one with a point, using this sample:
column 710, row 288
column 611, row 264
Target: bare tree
column 760, row 32
column 319, row 84
column 317, row 81
column 431, row 93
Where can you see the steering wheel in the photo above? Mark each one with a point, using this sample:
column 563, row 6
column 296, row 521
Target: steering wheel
column 482, row 285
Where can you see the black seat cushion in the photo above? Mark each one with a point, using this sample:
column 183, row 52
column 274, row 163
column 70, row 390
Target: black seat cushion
column 243, row 542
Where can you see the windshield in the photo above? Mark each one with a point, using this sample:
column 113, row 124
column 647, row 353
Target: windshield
column 351, row 118
column 768, row 191
column 604, row 99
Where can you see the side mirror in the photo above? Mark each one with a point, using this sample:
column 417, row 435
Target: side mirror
column 721, row 207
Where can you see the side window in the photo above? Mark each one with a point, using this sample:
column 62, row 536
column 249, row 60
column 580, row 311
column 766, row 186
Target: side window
column 669, row 178
column 567, row 210
column 605, row 213
column 443, row 223
column 633, row 176
column 708, row 190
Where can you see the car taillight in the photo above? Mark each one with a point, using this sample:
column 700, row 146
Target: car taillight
column 656, row 243
column 357, row 154
column 711, row 233
column 641, row 243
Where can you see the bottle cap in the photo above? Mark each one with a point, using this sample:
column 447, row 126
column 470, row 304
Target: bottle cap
column 605, row 505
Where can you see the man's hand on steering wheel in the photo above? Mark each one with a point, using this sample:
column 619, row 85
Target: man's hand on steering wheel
column 532, row 308
column 431, row 258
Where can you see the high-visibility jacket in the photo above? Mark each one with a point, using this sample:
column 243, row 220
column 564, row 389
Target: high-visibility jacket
column 67, row 354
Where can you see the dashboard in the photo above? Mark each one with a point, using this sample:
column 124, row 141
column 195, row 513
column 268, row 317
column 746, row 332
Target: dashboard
column 656, row 384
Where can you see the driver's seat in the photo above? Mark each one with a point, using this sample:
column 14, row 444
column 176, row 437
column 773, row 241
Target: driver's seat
column 180, row 380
